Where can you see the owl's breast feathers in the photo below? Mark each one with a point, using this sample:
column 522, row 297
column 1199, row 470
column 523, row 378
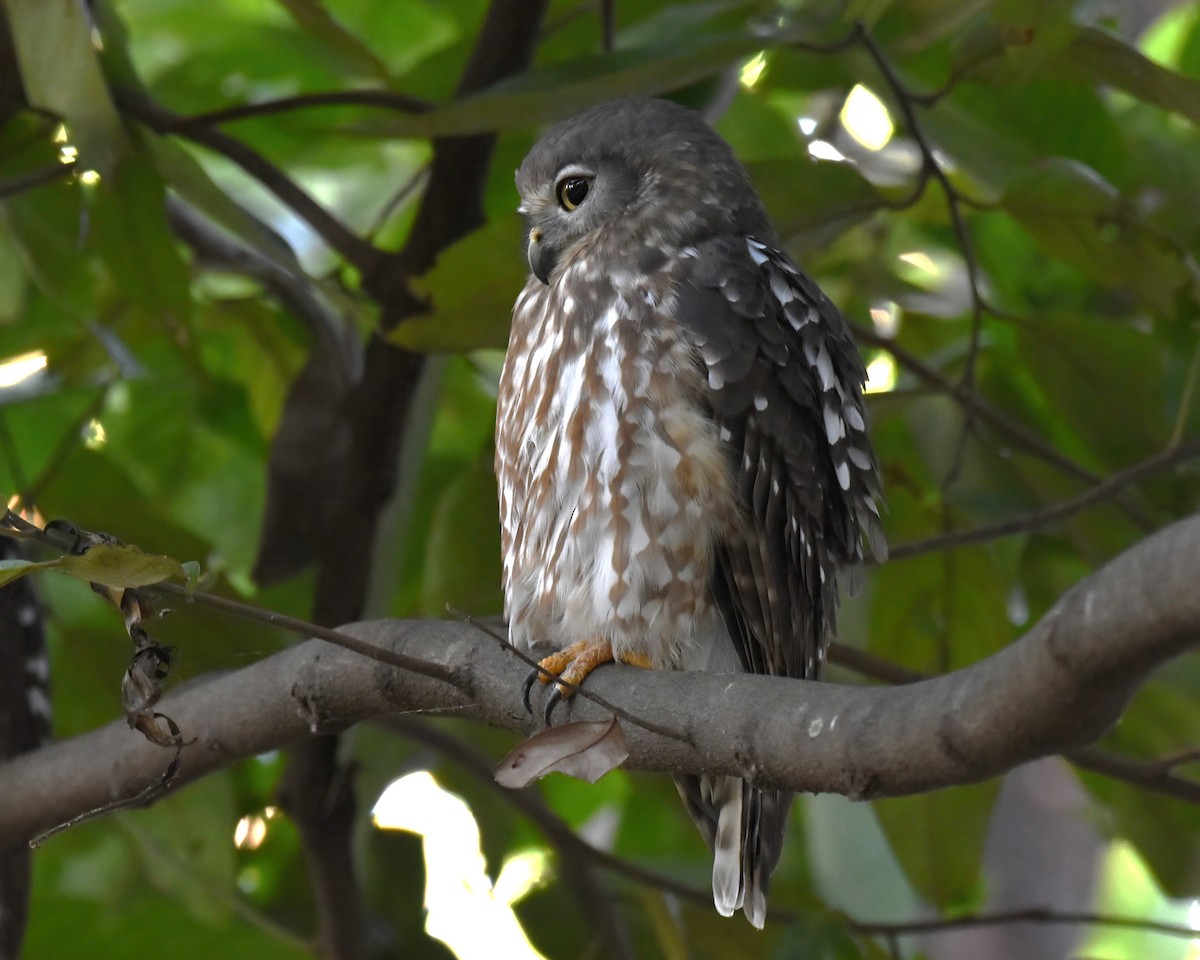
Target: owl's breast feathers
column 613, row 480
column 681, row 415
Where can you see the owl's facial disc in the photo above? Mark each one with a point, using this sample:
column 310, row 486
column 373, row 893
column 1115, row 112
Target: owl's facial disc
column 563, row 207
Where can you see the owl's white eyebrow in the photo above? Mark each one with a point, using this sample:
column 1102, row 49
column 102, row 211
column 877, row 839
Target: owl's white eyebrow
column 522, row 209
column 573, row 170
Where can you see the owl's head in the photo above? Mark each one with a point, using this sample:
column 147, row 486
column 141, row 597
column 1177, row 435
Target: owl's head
column 638, row 172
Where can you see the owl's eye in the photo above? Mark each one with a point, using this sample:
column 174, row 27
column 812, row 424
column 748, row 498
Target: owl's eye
column 572, row 191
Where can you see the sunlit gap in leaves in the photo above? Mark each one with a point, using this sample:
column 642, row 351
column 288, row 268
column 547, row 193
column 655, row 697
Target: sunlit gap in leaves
column 466, row 911
column 251, row 830
column 94, row 435
column 881, row 368
column 753, row 70
column 863, row 117
column 866, row 119
column 1127, row 888
column 922, row 270
column 20, row 368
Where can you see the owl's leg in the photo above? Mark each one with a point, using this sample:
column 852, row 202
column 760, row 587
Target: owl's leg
column 573, row 664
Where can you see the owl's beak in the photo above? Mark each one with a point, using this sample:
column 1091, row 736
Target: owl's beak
column 542, row 256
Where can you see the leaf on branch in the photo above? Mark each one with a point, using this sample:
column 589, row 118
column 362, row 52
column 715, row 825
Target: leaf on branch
column 11, row 570
column 1099, row 57
column 586, row 750
column 1077, row 216
column 192, row 569
column 471, row 287
column 120, row 566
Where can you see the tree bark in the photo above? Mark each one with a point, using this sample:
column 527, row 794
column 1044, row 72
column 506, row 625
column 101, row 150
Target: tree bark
column 1060, row 686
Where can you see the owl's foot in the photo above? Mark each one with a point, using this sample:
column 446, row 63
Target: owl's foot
column 573, row 664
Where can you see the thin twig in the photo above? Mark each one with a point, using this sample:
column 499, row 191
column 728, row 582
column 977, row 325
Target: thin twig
column 976, row 404
column 381, row 99
column 304, row 628
column 1037, row 519
column 1185, row 398
column 1031, row 915
column 834, row 46
column 14, row 525
column 931, row 168
column 552, row 677
column 39, row 178
column 1157, row 776
column 418, row 179
column 1190, row 755
column 146, row 795
column 608, row 25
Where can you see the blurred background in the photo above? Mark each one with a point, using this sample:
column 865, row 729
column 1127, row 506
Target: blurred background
column 257, row 264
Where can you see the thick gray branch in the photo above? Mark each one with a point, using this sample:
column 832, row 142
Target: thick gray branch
column 1059, row 687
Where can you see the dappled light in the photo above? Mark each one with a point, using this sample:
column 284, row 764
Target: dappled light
column 258, row 267
column 20, row 368
column 866, row 119
column 466, row 911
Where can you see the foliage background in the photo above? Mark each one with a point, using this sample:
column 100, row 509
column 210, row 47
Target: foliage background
column 1067, row 321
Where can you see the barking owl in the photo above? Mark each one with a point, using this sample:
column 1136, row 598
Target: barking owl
column 681, row 449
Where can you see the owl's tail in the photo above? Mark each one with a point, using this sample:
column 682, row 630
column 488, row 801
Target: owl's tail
column 744, row 827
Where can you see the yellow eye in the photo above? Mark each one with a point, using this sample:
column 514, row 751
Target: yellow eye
column 572, row 191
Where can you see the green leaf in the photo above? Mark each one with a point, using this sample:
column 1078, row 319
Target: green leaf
column 555, row 92
column 854, row 869
column 122, row 566
column 804, row 196
column 939, row 837
column 472, row 286
column 462, row 560
column 190, row 180
column 61, row 74
column 938, row 611
column 130, row 233
column 191, row 569
column 11, row 570
column 1098, row 57
column 1077, row 216
column 312, row 17
column 46, row 230
column 1074, row 360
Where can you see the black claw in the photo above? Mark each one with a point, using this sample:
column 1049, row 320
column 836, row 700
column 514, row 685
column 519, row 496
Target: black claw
column 552, row 701
column 527, row 689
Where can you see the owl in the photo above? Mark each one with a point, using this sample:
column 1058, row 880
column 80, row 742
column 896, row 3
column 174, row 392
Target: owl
column 681, row 447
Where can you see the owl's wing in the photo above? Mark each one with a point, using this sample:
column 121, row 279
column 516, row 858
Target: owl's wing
column 785, row 388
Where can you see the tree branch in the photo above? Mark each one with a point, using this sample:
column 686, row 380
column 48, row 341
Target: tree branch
column 1046, row 516
column 1156, row 775
column 1032, row 915
column 341, row 238
column 381, row 99
column 971, row 401
column 60, row 171
column 1061, row 686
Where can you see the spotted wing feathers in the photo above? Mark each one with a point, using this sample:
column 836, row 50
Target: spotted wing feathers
column 785, row 387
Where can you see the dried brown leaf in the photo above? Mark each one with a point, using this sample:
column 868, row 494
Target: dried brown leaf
column 587, row 750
